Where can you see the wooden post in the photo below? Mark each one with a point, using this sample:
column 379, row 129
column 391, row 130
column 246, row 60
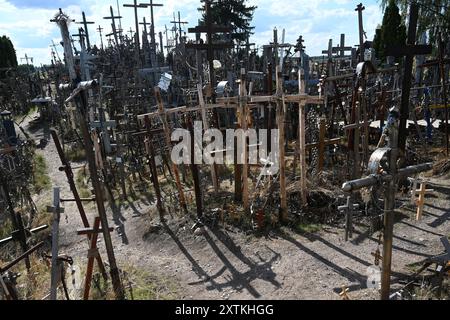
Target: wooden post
column 243, row 110
column 92, row 254
column 117, row 284
column 281, row 144
column 56, row 269
column 152, row 164
column 195, row 173
column 301, row 139
column 163, row 117
column 202, row 104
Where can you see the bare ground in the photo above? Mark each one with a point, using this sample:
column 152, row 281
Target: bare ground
column 225, row 263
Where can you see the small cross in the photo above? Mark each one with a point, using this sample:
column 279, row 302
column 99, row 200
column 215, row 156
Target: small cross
column 344, row 292
column 377, row 256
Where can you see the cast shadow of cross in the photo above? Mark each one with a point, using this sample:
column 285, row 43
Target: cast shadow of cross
column 242, row 280
column 239, row 280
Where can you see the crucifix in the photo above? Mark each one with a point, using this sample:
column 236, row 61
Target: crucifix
column 86, row 32
column 408, row 51
column 136, row 20
column 100, row 29
column 113, row 23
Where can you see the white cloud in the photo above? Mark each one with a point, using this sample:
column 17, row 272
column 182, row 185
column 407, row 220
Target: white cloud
column 32, row 32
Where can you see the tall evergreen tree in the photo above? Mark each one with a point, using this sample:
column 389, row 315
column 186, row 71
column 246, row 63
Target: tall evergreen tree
column 8, row 56
column 392, row 31
column 233, row 13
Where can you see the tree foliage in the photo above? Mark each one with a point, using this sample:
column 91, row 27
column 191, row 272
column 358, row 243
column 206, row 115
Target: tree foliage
column 434, row 16
column 233, row 13
column 8, row 56
column 392, row 31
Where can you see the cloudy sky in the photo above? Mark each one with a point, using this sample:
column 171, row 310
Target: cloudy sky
column 27, row 22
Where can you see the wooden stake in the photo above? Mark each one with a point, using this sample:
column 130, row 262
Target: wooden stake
column 163, row 117
column 281, row 144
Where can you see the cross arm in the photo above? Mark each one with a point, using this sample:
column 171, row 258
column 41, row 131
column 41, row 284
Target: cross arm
column 408, row 50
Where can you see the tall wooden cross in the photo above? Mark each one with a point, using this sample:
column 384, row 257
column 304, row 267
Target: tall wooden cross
column 360, row 8
column 179, row 22
column 135, row 6
column 113, row 23
column 152, row 20
column 145, row 24
column 86, row 32
column 100, row 29
column 408, row 51
column 210, row 29
column 26, row 58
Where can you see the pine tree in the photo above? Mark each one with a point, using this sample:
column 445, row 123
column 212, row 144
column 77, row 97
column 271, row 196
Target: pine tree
column 235, row 14
column 8, row 56
column 392, row 32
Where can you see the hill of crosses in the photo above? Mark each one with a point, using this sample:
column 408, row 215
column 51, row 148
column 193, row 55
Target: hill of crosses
column 224, row 150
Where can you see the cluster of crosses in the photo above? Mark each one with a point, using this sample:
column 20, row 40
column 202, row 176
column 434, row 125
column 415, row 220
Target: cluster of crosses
column 338, row 113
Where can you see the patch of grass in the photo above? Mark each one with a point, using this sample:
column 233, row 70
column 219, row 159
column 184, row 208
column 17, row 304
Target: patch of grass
column 302, row 227
column 139, row 284
column 76, row 154
column 81, row 183
column 6, row 229
column 41, row 180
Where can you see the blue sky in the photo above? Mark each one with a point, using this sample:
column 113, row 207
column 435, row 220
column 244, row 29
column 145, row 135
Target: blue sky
column 28, row 24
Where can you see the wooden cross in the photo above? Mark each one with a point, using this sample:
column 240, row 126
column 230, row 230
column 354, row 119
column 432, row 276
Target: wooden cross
column 179, row 24
column 408, row 51
column 360, row 8
column 163, row 117
column 377, row 256
column 348, row 210
column 93, row 254
column 100, row 29
column 321, row 144
column 113, row 23
column 86, row 32
column 16, row 220
column 344, row 294
column 441, row 62
column 56, row 210
column 152, row 20
column 341, row 48
column 210, row 29
column 420, row 202
column 9, row 265
column 145, row 24
column 135, row 6
column 103, row 125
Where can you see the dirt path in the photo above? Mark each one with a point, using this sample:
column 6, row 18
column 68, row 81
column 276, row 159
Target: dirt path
column 227, row 264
